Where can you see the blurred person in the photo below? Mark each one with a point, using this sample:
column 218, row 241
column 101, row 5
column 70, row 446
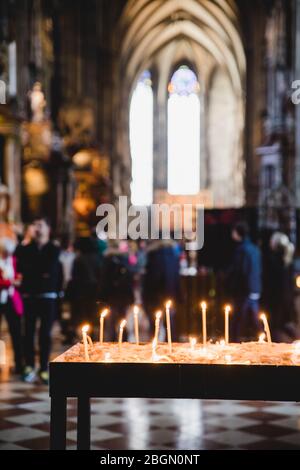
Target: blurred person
column 29, row 235
column 117, row 289
column 11, row 305
column 162, row 279
column 66, row 258
column 280, row 286
column 41, row 283
column 101, row 242
column 245, row 282
column 83, row 288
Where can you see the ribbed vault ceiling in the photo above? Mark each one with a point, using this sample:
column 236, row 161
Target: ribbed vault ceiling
column 150, row 25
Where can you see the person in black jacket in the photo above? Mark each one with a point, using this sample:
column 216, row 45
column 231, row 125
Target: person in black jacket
column 162, row 279
column 41, row 271
column 117, row 289
column 83, row 289
column 245, row 282
column 279, row 287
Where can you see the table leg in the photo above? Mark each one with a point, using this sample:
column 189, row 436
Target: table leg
column 83, row 423
column 58, row 423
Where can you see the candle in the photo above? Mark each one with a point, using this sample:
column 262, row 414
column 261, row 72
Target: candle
column 204, row 331
column 122, row 326
column 266, row 327
column 168, row 321
column 227, row 312
column 193, row 343
column 101, row 333
column 136, row 324
column 157, row 323
column 90, row 341
column 84, row 330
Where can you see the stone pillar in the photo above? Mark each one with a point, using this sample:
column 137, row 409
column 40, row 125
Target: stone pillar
column 13, row 176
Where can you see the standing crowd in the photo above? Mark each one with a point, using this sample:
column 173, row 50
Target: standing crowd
column 40, row 276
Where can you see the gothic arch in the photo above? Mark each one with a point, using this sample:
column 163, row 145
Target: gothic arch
column 205, row 30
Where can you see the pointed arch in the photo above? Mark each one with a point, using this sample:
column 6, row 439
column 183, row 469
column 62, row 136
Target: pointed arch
column 151, row 31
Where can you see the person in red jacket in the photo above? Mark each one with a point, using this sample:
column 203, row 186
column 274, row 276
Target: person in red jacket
column 11, row 305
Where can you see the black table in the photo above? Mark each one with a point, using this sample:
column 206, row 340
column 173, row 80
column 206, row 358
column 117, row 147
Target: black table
column 135, row 380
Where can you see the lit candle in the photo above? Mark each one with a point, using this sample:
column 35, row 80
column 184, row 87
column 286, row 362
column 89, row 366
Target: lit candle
column 227, row 312
column 204, row 331
column 193, row 343
column 122, row 326
column 266, row 327
column 157, row 323
column 168, row 321
column 84, row 330
column 136, row 324
column 101, row 333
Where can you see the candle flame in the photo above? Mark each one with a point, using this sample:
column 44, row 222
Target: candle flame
column 262, row 338
column 104, row 313
column 158, row 315
column 263, row 317
column 227, row 308
column 169, row 304
column 123, row 324
column 136, row 310
column 85, row 328
column 203, row 305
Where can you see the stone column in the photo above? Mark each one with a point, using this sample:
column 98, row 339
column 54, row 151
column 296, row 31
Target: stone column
column 12, row 170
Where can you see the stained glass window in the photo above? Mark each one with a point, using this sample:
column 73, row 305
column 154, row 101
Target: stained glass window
column 141, row 141
column 184, row 133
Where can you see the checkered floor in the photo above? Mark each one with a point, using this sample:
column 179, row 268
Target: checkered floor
column 150, row 424
column 130, row 424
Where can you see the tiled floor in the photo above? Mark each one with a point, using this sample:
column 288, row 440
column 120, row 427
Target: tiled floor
column 149, row 424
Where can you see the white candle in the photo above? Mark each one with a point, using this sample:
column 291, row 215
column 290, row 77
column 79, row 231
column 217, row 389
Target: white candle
column 227, row 312
column 266, row 327
column 122, row 326
column 102, row 317
column 136, row 324
column 204, row 331
column 168, row 321
column 157, row 323
column 84, row 330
